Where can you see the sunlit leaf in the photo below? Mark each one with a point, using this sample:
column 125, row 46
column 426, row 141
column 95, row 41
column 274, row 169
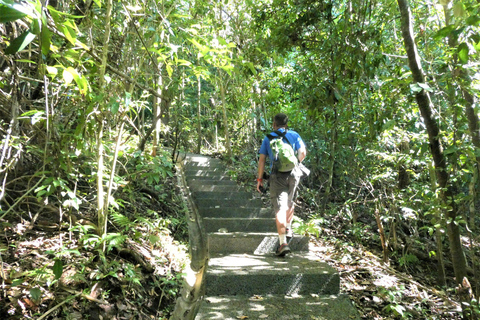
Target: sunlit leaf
column 425, row 86
column 169, row 70
column 183, row 62
column 228, row 69
column 415, row 88
column 26, row 61
column 18, row 44
column 463, row 53
column 134, row 8
column 10, row 11
column 459, row 9
column 67, row 76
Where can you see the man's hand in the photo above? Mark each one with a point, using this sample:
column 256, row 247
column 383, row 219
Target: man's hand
column 261, row 169
column 260, row 185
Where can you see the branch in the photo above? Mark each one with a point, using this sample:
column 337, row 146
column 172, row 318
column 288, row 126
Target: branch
column 122, row 75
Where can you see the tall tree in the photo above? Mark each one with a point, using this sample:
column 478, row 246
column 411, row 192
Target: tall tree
column 424, row 103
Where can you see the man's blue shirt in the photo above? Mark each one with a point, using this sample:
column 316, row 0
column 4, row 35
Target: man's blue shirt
column 292, row 136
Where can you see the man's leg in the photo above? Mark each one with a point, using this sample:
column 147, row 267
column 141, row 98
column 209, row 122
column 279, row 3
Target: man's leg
column 292, row 183
column 289, row 231
column 281, row 222
column 279, row 197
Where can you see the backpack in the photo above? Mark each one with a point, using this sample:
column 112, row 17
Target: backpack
column 283, row 153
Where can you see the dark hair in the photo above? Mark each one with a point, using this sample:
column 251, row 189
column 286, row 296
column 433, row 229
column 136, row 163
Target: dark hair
column 281, row 119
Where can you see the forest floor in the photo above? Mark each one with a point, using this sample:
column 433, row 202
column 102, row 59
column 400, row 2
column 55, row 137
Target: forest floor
column 51, row 271
column 381, row 291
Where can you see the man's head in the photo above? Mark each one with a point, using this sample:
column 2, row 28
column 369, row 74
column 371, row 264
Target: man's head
column 280, row 120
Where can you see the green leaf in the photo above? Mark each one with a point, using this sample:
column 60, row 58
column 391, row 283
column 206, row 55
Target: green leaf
column 425, row 86
column 25, row 61
column 36, row 294
column 46, row 37
column 459, row 9
column 169, row 70
column 67, row 76
column 58, row 268
column 463, row 53
column 11, row 10
column 228, row 69
column 251, row 67
column 444, row 32
column 114, row 106
column 18, row 44
column 69, row 34
column 35, row 27
column 415, row 88
column 8, row 14
column 52, row 71
column 473, row 20
column 451, row 149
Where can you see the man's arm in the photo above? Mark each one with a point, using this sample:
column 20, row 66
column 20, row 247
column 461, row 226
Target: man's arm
column 261, row 169
column 301, row 153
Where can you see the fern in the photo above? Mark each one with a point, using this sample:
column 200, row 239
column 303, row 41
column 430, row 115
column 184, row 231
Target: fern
column 122, row 221
column 114, row 240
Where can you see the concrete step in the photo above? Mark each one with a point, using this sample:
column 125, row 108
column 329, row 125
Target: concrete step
column 239, row 225
column 251, row 243
column 199, row 165
column 210, row 182
column 191, row 158
column 231, row 212
column 206, row 179
column 243, row 274
column 222, row 195
column 277, row 307
column 232, row 203
column 214, row 188
column 207, row 172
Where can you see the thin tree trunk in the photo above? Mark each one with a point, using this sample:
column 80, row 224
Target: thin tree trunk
column 424, row 104
column 199, row 116
column 381, row 232
column 438, row 235
column 331, row 165
column 112, row 173
column 470, row 112
column 157, row 121
column 225, row 121
column 102, row 216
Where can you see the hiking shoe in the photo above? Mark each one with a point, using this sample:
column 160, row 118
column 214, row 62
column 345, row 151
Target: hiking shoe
column 282, row 250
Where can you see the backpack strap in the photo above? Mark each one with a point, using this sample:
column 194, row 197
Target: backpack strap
column 282, row 135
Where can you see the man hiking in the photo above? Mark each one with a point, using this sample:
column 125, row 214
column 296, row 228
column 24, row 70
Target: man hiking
column 284, row 176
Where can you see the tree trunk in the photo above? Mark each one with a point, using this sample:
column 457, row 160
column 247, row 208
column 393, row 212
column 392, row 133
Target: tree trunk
column 157, row 110
column 331, row 165
column 438, row 235
column 470, row 112
column 225, row 121
column 424, row 104
column 199, row 116
column 102, row 215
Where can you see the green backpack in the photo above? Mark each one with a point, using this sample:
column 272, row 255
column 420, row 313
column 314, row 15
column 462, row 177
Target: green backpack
column 283, row 153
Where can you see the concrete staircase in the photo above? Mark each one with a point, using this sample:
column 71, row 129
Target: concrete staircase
column 244, row 279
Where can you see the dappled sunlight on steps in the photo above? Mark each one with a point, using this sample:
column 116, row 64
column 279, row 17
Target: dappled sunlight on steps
column 244, row 278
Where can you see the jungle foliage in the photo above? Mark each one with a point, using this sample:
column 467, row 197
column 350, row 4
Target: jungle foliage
column 97, row 97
